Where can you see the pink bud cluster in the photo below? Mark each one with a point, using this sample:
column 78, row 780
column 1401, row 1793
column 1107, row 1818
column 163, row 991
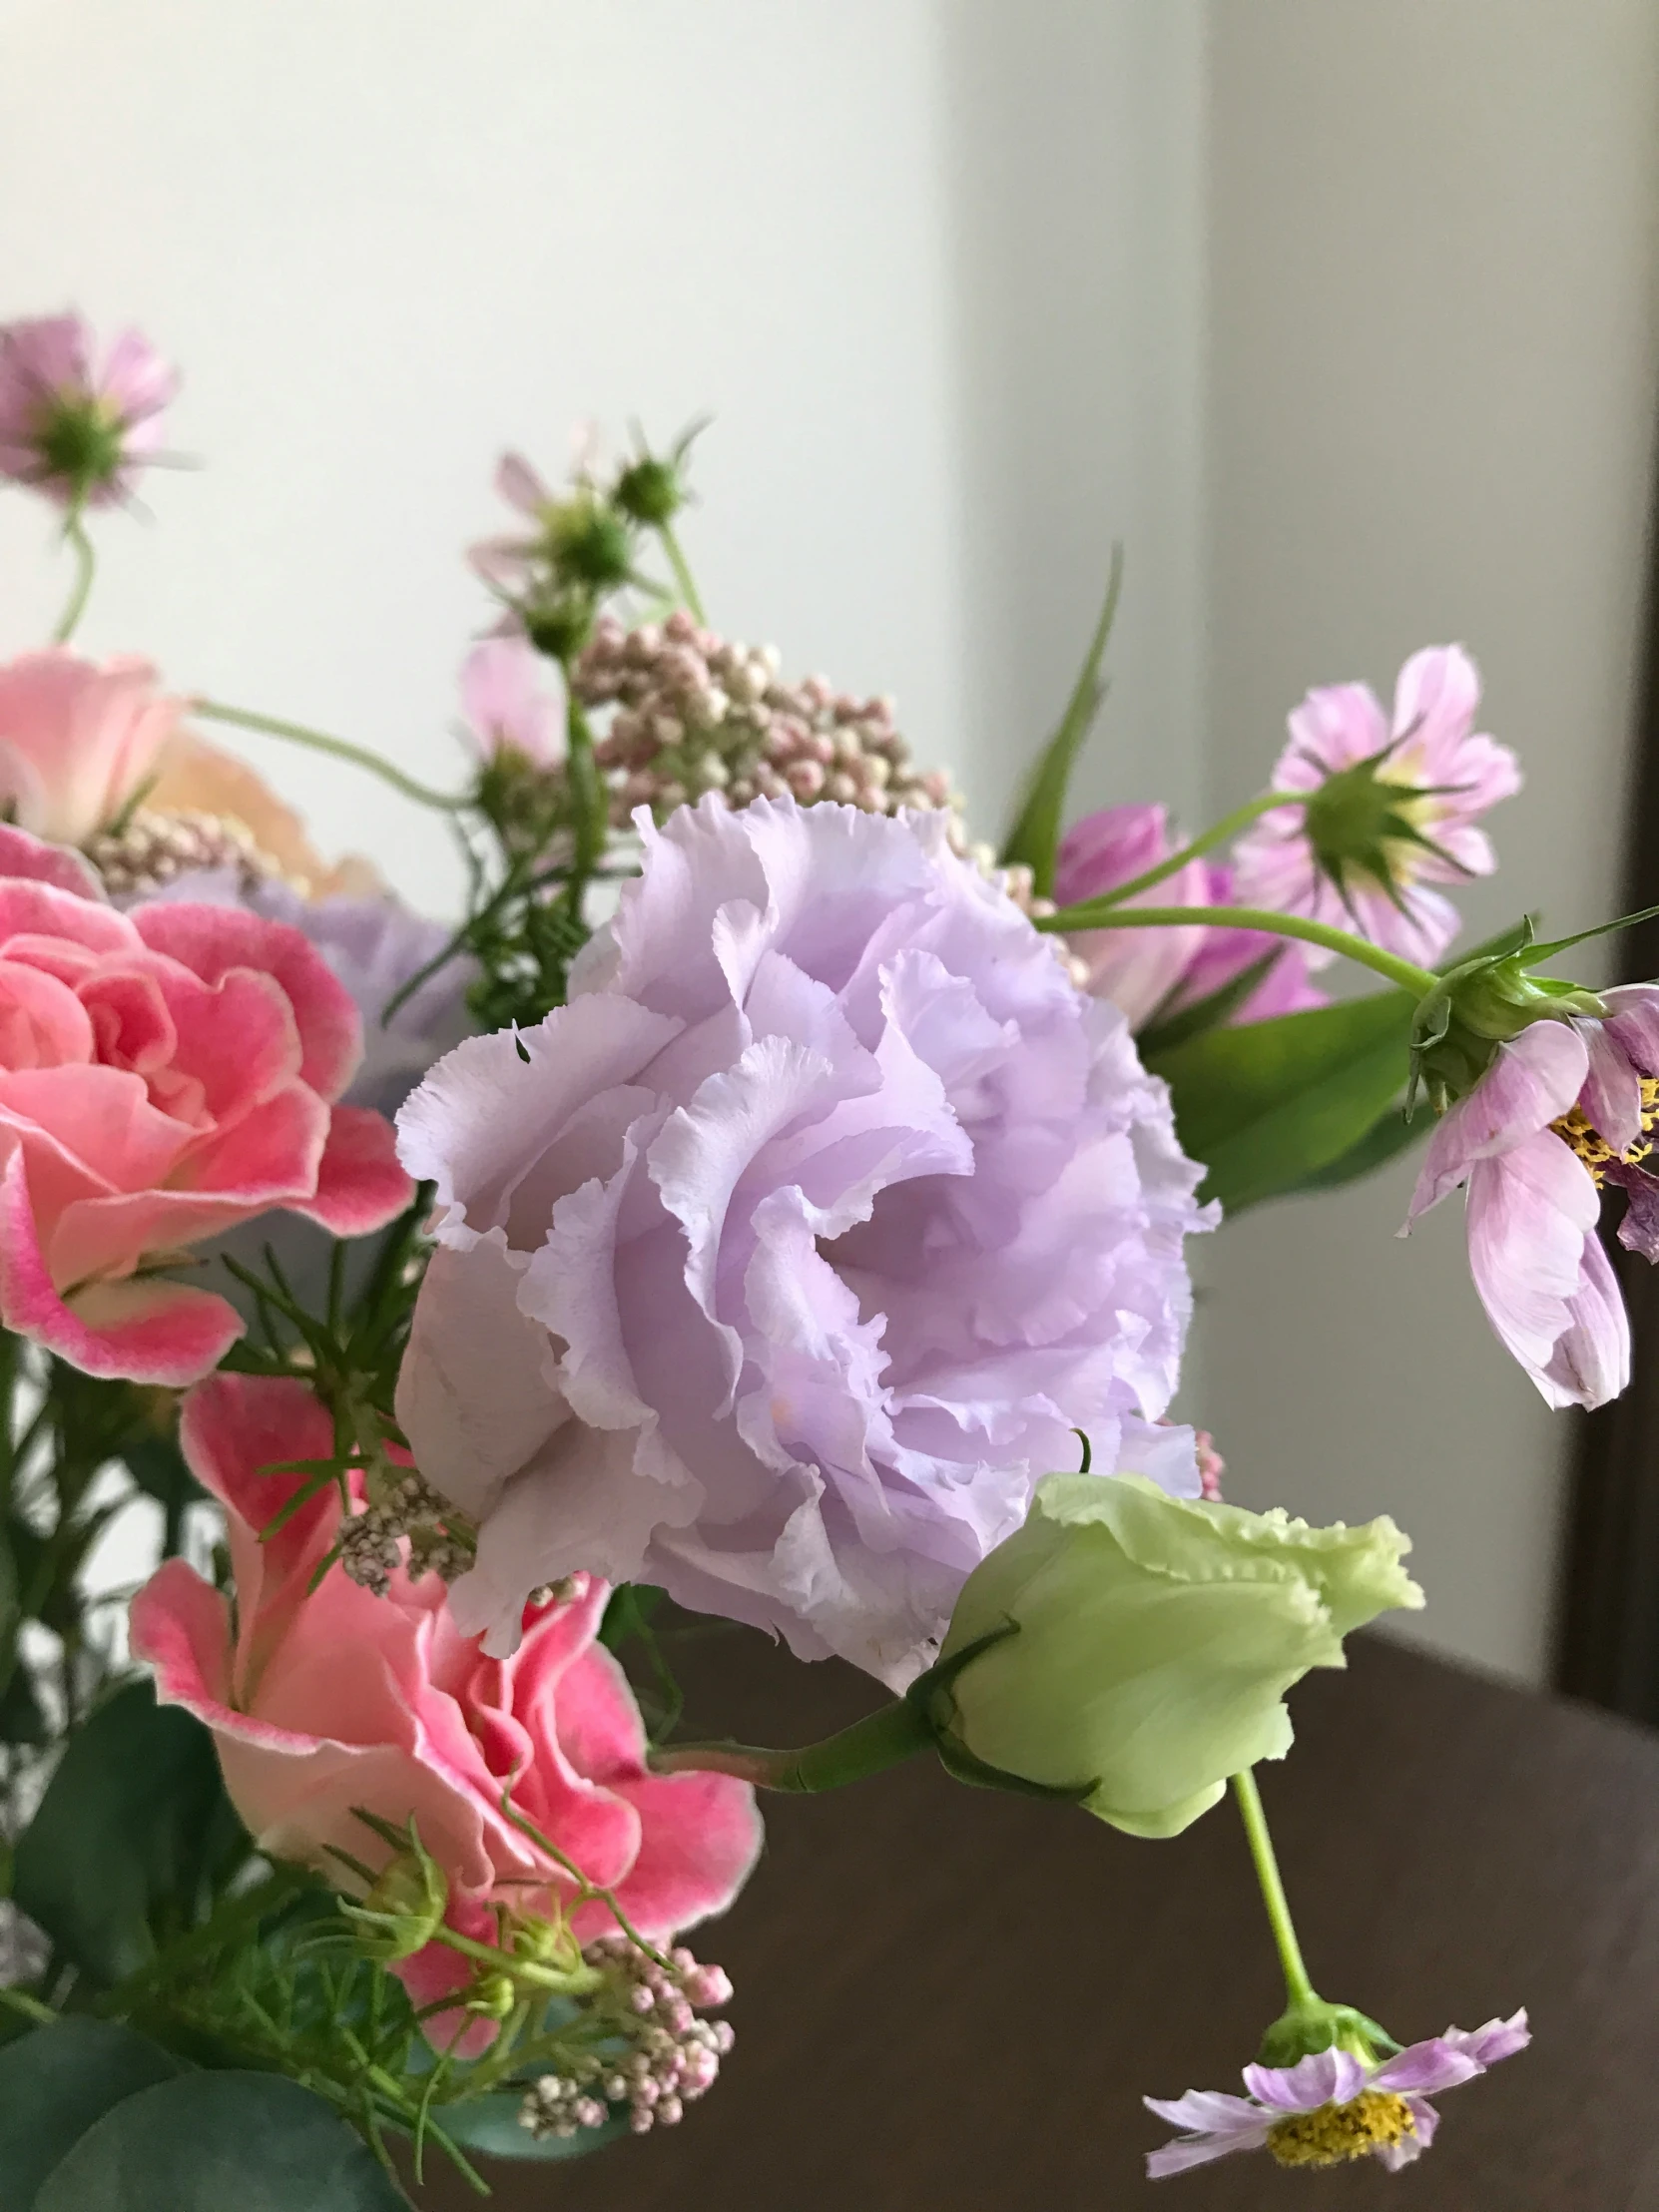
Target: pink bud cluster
column 696, row 712
column 675, row 2056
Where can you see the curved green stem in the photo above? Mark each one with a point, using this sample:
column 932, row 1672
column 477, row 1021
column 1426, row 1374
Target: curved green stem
column 683, row 577
column 85, row 562
column 1298, row 1987
column 1220, row 833
column 1092, row 915
column 899, row 1731
column 339, row 749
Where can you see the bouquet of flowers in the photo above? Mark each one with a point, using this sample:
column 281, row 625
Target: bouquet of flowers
column 782, row 1221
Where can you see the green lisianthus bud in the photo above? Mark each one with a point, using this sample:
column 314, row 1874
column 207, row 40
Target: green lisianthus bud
column 1154, row 1639
column 405, row 1907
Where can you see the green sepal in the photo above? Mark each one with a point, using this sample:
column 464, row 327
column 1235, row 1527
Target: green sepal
column 928, row 1691
column 1302, row 2030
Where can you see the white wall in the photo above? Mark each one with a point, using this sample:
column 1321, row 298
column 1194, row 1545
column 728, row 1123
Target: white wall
column 1433, row 365
column 938, row 266
column 387, row 237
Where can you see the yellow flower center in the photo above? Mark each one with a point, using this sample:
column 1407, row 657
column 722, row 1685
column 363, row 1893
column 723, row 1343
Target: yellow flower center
column 1337, row 2132
column 1594, row 1150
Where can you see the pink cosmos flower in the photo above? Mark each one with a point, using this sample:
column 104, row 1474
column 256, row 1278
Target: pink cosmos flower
column 324, row 1700
column 505, row 562
column 781, row 1264
column 78, row 741
column 164, row 1074
column 506, row 707
column 77, row 431
column 1393, row 807
column 1566, row 1107
column 1332, row 2107
column 1153, row 972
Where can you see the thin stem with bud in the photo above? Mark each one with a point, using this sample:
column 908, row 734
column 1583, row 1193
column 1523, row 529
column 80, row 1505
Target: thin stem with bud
column 339, row 749
column 86, row 564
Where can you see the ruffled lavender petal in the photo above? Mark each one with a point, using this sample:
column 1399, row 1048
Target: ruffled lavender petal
column 838, row 1208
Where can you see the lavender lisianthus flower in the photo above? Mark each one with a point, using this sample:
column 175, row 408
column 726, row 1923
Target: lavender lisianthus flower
column 1566, row 1108
column 779, row 1265
column 1332, row 2107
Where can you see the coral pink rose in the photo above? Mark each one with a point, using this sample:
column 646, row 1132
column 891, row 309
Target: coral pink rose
column 164, row 1075
column 324, row 1700
column 78, row 741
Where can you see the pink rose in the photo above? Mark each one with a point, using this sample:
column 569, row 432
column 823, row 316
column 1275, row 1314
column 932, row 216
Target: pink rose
column 164, row 1075
column 336, row 1699
column 78, row 742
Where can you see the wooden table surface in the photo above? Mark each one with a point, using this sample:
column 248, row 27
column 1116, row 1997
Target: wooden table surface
column 949, row 2000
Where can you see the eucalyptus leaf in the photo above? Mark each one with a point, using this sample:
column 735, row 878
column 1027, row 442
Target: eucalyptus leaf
column 1266, row 1104
column 1036, row 836
column 488, row 2125
column 55, row 2083
column 131, row 1837
column 221, row 2142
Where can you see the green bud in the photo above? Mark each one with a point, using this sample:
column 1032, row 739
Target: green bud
column 590, row 543
column 405, row 1907
column 492, row 1996
column 650, row 491
column 559, row 626
column 1154, row 1640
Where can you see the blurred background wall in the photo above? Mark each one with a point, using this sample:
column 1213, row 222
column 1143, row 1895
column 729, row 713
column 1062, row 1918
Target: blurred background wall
column 1341, row 314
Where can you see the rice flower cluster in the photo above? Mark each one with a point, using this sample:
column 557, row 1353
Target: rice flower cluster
column 694, row 713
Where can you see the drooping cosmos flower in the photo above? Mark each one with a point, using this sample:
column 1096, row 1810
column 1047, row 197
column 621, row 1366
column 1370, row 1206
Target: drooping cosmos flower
column 164, row 1075
column 327, row 1699
column 779, row 1265
column 73, row 427
column 1332, row 2107
column 78, row 739
column 1566, row 1108
column 1388, row 808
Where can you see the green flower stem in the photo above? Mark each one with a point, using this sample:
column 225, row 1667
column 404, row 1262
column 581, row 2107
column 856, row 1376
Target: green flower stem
column 85, row 562
column 1220, row 833
column 1091, row 914
column 587, row 790
column 1298, row 1987
column 574, row 1981
column 684, row 582
column 30, row 2007
column 899, row 1731
column 339, row 749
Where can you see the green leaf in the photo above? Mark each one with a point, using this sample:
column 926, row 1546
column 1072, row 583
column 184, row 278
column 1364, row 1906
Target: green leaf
column 488, row 2125
column 131, row 1837
column 1384, row 1141
column 1267, row 1105
column 22, row 1716
column 1036, row 836
column 1204, row 1013
column 221, row 2142
column 55, row 2083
